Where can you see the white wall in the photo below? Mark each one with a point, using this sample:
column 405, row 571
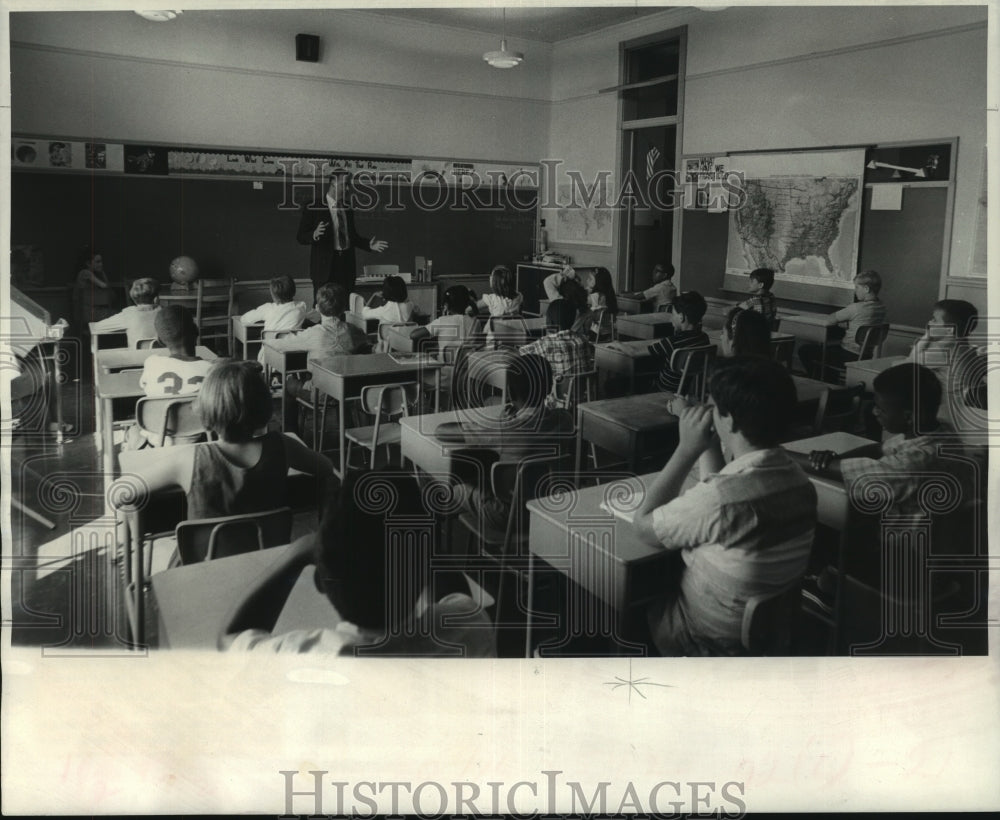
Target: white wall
column 784, row 77
column 213, row 78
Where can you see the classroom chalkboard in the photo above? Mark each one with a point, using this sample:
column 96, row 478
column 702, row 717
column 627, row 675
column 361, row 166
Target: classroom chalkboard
column 140, row 223
column 904, row 246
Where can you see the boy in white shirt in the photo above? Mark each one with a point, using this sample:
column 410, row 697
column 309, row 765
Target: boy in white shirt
column 663, row 291
column 138, row 320
column 281, row 313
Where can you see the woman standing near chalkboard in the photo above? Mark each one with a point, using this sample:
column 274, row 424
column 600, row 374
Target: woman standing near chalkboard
column 329, row 229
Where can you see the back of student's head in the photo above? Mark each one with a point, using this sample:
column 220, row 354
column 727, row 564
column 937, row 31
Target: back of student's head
column 282, row 289
column 869, row 279
column 144, row 291
column 234, row 401
column 502, row 281
column 963, row 315
column 763, row 275
column 748, row 332
column 175, row 327
column 911, row 387
column 604, row 286
column 358, row 555
column 458, row 299
column 691, row 306
column 560, row 314
column 576, row 293
column 529, row 380
column 394, row 289
column 331, row 300
column 758, row 394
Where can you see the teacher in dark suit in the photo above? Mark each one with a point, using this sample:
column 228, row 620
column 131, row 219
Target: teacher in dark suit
column 329, row 231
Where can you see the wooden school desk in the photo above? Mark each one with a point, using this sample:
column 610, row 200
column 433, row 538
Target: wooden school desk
column 646, row 326
column 131, row 532
column 809, row 390
column 631, row 426
column 247, row 336
column 512, row 331
column 419, row 444
column 283, row 362
column 866, row 371
column 629, row 359
column 628, row 305
column 343, row 377
column 193, row 601
column 806, row 327
column 715, row 336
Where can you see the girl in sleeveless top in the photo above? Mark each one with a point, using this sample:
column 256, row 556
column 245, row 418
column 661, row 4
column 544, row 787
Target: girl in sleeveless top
column 243, row 471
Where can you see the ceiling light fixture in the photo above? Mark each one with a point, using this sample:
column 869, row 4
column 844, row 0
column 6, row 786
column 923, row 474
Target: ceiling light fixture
column 503, row 58
column 158, row 16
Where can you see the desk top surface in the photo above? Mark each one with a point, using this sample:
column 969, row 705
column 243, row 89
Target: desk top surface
column 519, row 323
column 839, row 443
column 661, row 318
column 633, row 349
column 367, row 364
column 878, row 365
column 118, row 385
column 117, row 358
column 645, row 411
column 809, row 389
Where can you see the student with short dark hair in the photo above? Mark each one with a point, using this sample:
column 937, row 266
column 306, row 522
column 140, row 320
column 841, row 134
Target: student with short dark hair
column 358, row 567
column 746, row 333
column 567, row 352
column 945, row 350
column 760, row 283
column 137, row 320
column 391, row 303
column 663, row 291
column 689, row 309
column 867, row 310
column 281, row 313
column 180, row 372
column 246, row 469
column 504, row 299
column 747, row 528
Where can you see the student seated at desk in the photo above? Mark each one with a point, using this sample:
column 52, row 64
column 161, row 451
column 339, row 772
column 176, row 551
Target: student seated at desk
column 331, row 337
column 524, row 426
column 760, row 283
column 602, row 292
column 907, row 398
column 281, row 313
column 552, row 284
column 391, row 304
column 663, row 291
column 244, row 471
column 504, row 300
column 181, row 372
column 944, row 349
column 689, row 309
column 867, row 310
column 567, row 352
column 746, row 333
column 744, row 530
column 138, row 320
column 356, row 571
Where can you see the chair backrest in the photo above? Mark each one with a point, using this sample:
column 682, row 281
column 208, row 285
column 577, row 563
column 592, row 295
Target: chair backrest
column 768, row 621
column 871, row 338
column 356, row 303
column 355, row 319
column 517, row 483
column 839, row 408
column 505, row 336
column 572, row 388
column 388, row 401
column 782, row 351
column 693, row 364
column 209, row 538
column 603, row 326
column 172, row 416
column 408, row 338
column 381, row 270
column 147, row 344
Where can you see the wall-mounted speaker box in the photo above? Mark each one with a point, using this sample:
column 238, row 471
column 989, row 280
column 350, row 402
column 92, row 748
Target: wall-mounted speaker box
column 307, row 48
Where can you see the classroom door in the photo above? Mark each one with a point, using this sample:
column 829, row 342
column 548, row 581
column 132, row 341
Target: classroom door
column 650, row 162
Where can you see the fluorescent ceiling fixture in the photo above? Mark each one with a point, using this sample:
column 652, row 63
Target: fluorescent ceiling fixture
column 159, row 16
column 503, row 58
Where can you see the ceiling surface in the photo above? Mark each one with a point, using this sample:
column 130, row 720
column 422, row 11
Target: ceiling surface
column 548, row 25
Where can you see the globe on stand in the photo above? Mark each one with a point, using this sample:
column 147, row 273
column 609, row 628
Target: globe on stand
column 183, row 271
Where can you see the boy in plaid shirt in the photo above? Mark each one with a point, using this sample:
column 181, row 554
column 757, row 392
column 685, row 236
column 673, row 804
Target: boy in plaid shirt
column 762, row 300
column 567, row 352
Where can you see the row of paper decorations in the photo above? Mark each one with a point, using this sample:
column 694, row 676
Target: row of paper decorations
column 160, row 160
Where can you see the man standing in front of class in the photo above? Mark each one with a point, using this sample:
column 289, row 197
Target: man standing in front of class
column 329, row 230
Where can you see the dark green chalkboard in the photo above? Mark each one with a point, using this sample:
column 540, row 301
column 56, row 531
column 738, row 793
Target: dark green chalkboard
column 139, row 224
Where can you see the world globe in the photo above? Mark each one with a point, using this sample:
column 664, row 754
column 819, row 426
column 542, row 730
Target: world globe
column 184, row 270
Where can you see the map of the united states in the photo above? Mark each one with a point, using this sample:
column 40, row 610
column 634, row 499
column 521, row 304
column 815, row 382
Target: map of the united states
column 800, row 226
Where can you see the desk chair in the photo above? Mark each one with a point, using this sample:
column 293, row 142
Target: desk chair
column 604, row 327
column 211, row 538
column 871, row 339
column 213, row 302
column 148, row 344
column 782, row 351
column 384, row 330
column 769, row 621
column 576, row 387
column 387, row 403
column 356, row 303
column 839, row 409
column 381, row 270
column 693, row 363
column 515, row 483
column 169, row 420
column 506, row 338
